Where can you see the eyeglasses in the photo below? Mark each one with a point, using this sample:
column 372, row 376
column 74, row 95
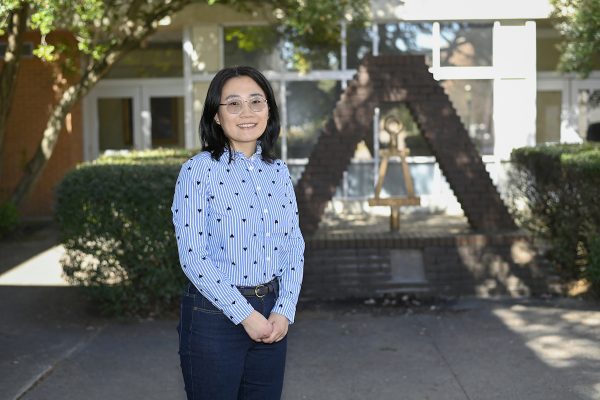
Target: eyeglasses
column 235, row 105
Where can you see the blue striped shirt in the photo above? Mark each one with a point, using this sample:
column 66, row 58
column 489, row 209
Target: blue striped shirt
column 237, row 225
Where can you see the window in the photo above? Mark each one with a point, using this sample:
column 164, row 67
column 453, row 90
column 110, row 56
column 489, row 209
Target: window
column 309, row 105
column 167, row 121
column 405, row 38
column 393, row 38
column 252, row 45
column 473, row 102
column 161, row 56
column 466, row 44
column 115, row 123
column 548, row 116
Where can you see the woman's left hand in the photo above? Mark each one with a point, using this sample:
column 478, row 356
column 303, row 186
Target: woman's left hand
column 280, row 328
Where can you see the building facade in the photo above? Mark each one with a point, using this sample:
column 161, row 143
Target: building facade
column 496, row 61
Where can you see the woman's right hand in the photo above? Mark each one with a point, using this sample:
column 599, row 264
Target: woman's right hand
column 257, row 326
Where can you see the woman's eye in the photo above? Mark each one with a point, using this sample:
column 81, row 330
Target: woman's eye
column 234, row 103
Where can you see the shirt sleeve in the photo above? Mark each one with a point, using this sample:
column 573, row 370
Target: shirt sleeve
column 190, row 207
column 290, row 280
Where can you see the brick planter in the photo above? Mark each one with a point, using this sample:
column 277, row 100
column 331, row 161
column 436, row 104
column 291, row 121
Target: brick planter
column 370, row 265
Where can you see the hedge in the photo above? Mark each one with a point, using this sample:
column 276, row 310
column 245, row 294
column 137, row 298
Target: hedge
column 556, row 195
column 114, row 220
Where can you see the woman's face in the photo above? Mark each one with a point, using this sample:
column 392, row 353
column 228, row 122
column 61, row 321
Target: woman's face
column 244, row 128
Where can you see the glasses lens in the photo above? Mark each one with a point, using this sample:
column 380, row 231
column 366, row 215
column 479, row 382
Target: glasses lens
column 234, row 106
column 257, row 103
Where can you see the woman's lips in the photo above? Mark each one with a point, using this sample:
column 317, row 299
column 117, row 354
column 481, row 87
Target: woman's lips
column 246, row 125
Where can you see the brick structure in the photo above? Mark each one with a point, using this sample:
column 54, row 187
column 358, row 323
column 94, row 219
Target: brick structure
column 372, row 265
column 406, row 79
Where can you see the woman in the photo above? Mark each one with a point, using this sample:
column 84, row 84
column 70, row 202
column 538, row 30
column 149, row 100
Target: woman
column 239, row 241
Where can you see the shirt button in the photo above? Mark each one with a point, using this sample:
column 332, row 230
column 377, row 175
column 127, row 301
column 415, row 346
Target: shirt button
column 251, row 167
column 266, row 211
column 268, row 234
column 258, row 188
column 268, row 258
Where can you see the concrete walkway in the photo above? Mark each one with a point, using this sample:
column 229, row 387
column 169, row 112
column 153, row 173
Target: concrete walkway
column 51, row 347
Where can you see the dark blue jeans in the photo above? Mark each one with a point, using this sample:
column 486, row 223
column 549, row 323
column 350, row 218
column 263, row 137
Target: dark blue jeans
column 219, row 361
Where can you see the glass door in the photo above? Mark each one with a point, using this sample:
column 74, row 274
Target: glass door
column 115, row 123
column 134, row 114
column 111, row 119
column 163, row 113
column 548, row 119
column 167, row 122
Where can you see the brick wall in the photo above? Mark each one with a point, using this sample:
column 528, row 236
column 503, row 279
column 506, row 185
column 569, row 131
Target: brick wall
column 362, row 265
column 29, row 113
column 406, row 79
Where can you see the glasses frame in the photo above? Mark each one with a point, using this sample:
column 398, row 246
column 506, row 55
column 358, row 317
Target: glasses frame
column 247, row 101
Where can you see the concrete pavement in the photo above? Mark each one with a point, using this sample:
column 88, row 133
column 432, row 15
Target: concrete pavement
column 52, row 347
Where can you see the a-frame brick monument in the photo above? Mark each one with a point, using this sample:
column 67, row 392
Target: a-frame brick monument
column 405, row 79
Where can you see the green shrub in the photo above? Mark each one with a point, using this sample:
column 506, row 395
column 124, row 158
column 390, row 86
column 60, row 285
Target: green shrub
column 592, row 273
column 115, row 223
column 9, row 218
column 555, row 195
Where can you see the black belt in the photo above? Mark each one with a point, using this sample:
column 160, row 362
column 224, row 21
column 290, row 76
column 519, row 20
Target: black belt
column 260, row 290
column 249, row 291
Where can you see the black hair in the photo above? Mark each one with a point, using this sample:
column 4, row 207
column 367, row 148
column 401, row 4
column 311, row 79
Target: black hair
column 213, row 138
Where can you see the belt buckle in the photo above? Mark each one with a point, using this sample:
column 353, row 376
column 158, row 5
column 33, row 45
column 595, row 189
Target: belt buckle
column 256, row 291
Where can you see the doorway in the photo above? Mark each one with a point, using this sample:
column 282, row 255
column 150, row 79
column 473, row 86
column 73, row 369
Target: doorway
column 125, row 115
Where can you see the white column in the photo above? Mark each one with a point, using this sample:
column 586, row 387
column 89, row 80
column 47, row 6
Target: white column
column 139, row 140
column 376, row 117
column 146, row 120
column 436, row 44
column 188, row 90
column 90, row 126
column 344, row 51
column 375, row 39
column 514, row 63
column 568, row 120
column 283, row 119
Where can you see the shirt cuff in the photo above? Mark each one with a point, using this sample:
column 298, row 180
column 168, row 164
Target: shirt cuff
column 238, row 313
column 285, row 307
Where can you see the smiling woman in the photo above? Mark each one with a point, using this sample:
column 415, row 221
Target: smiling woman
column 240, row 246
column 226, row 122
column 243, row 125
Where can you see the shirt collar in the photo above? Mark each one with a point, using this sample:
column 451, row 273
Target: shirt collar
column 240, row 154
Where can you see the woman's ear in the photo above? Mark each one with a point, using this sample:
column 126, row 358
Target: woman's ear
column 217, row 119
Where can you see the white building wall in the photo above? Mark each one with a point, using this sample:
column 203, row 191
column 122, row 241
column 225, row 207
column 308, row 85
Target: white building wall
column 514, row 55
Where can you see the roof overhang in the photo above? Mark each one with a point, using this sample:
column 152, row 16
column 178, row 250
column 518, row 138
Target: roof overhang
column 456, row 10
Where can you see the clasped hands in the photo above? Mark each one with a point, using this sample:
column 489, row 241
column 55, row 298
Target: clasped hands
column 265, row 330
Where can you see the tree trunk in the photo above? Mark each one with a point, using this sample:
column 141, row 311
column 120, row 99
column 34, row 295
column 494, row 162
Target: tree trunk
column 35, row 166
column 17, row 24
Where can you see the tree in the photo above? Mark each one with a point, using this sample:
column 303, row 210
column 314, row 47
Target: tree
column 106, row 30
column 578, row 21
column 16, row 19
